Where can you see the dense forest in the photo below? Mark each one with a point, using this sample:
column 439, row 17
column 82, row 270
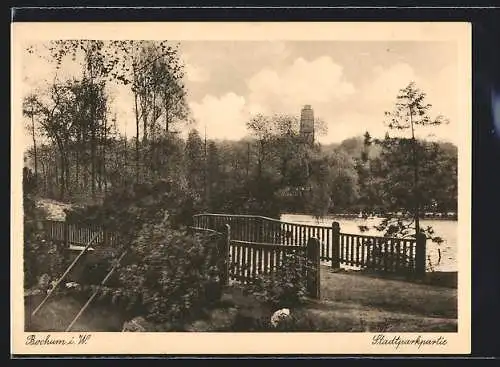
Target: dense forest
column 78, row 153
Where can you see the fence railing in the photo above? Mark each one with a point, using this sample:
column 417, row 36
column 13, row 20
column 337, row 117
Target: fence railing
column 245, row 261
column 79, row 235
column 378, row 253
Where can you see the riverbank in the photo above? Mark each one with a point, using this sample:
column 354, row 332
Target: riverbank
column 429, row 216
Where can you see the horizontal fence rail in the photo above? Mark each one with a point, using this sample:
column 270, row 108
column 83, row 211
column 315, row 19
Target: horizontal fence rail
column 79, row 235
column 358, row 251
column 245, row 261
column 251, row 259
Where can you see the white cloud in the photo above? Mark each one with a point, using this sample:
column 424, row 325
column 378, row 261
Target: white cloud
column 379, row 94
column 283, row 86
column 381, row 90
column 196, row 74
column 224, row 117
column 316, row 82
column 440, row 90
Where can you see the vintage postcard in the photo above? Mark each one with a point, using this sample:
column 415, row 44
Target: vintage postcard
column 241, row 188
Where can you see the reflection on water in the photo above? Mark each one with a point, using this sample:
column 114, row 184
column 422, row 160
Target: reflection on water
column 446, row 229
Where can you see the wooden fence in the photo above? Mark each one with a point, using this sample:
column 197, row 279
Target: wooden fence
column 394, row 255
column 79, row 235
column 244, row 261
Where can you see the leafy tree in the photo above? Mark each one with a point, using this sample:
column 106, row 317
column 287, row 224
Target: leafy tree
column 214, row 180
column 264, row 130
column 344, row 180
column 195, row 162
column 318, row 199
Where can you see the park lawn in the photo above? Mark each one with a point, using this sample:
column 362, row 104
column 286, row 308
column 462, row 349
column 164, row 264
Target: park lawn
column 60, row 310
column 389, row 294
column 356, row 302
column 350, row 302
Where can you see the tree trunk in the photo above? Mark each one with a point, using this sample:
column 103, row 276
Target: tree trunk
column 44, row 175
column 77, row 167
column 103, row 170
column 415, row 177
column 144, row 122
column 93, row 155
column 152, row 147
column 56, row 172
column 167, row 115
column 84, row 167
column 125, row 145
column 136, row 140
column 67, row 173
column 34, row 145
column 248, row 159
column 62, row 172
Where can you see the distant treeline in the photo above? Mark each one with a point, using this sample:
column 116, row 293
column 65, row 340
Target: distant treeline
column 278, row 174
column 78, row 153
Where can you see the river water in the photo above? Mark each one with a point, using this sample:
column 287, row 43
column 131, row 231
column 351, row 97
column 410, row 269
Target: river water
column 446, row 229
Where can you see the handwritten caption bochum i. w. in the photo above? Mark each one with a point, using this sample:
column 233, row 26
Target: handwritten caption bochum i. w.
column 48, row 339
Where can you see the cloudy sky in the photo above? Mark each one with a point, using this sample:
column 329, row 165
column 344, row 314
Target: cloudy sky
column 348, row 83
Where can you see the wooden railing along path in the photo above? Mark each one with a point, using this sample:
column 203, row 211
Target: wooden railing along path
column 244, row 261
column 76, row 235
column 384, row 254
column 257, row 245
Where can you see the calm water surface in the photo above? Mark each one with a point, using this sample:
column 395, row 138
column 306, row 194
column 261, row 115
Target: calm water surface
column 446, row 229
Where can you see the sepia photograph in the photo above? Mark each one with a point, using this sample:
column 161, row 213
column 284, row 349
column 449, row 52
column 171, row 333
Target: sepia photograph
column 270, row 184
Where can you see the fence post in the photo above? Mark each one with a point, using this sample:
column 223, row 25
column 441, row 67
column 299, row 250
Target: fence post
column 335, row 245
column 313, row 279
column 225, row 253
column 420, row 252
column 66, row 234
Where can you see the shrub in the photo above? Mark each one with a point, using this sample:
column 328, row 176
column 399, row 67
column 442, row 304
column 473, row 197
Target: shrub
column 127, row 209
column 169, row 275
column 40, row 256
column 285, row 286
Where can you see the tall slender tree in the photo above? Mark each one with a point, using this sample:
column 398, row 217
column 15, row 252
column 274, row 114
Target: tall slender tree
column 31, row 108
column 410, row 112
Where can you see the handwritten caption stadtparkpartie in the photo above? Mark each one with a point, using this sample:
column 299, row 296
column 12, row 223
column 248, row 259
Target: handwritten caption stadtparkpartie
column 37, row 340
column 419, row 341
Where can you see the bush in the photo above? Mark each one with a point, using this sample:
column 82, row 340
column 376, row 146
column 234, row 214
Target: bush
column 40, row 256
column 284, row 287
column 127, row 209
column 169, row 275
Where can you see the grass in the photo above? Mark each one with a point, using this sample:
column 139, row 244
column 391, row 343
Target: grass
column 346, row 318
column 356, row 302
column 59, row 312
column 350, row 302
column 388, row 294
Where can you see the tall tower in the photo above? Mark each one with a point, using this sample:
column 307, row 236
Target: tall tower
column 307, row 124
